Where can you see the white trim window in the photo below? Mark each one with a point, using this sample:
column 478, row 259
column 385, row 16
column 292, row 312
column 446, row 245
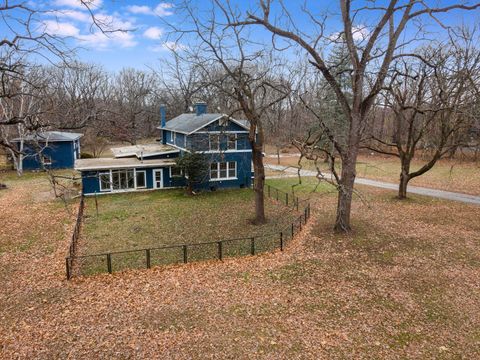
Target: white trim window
column 105, row 182
column 176, row 171
column 46, row 160
column 214, row 142
column 232, row 142
column 173, row 136
column 223, row 170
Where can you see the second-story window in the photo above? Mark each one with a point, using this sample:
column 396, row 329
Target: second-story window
column 232, row 142
column 214, row 141
column 174, row 137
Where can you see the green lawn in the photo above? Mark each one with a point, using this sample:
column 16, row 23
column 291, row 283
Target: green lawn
column 158, row 219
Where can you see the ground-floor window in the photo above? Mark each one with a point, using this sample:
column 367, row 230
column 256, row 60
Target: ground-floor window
column 175, row 171
column 141, row 179
column 123, row 179
column 105, row 181
column 46, row 160
column 223, row 170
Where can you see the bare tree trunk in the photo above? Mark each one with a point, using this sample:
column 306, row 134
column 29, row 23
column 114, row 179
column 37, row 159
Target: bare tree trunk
column 278, row 154
column 345, row 193
column 404, row 178
column 259, row 182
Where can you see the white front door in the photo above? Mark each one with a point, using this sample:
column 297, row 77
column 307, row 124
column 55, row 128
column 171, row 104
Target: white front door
column 158, row 178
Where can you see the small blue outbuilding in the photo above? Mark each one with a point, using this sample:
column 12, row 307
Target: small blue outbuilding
column 49, row 150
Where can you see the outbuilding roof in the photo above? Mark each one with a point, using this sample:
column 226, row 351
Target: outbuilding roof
column 120, row 163
column 50, row 136
column 191, row 122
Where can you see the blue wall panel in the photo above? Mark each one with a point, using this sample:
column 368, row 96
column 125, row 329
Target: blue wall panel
column 60, row 153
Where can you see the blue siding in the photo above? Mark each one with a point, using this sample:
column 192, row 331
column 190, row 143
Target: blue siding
column 91, row 182
column 60, row 153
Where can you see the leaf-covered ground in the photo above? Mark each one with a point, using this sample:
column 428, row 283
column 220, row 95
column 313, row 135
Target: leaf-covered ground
column 404, row 285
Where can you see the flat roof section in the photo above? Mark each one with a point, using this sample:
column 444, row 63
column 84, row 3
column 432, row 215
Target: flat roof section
column 144, row 150
column 120, row 163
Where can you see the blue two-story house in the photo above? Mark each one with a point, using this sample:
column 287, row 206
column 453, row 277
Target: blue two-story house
column 221, row 138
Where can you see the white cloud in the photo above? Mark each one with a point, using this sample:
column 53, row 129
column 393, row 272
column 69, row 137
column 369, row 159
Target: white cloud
column 73, row 14
column 153, row 33
column 168, row 46
column 78, row 4
column 162, row 9
column 359, row 33
column 99, row 40
column 139, row 9
column 56, row 28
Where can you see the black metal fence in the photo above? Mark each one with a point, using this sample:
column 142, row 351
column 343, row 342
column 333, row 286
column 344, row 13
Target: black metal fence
column 184, row 253
column 72, row 250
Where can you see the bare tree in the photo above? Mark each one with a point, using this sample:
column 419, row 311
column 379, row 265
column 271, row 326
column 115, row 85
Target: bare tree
column 431, row 101
column 371, row 49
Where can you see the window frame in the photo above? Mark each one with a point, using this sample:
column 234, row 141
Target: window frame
column 47, row 158
column 215, row 166
column 176, row 176
column 144, row 172
column 109, row 173
column 230, row 141
column 217, row 136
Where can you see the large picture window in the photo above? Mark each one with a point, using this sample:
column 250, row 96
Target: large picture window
column 223, row 170
column 123, row 179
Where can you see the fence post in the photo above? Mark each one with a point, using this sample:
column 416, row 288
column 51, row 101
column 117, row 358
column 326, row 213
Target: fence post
column 96, row 203
column 293, row 225
column 68, row 268
column 109, row 263
column 185, row 259
column 252, row 245
column 300, row 221
column 220, row 253
column 286, row 199
column 277, row 193
column 281, row 240
column 296, row 201
column 147, row 253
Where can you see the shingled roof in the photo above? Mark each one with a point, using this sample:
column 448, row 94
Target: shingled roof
column 51, row 136
column 189, row 123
